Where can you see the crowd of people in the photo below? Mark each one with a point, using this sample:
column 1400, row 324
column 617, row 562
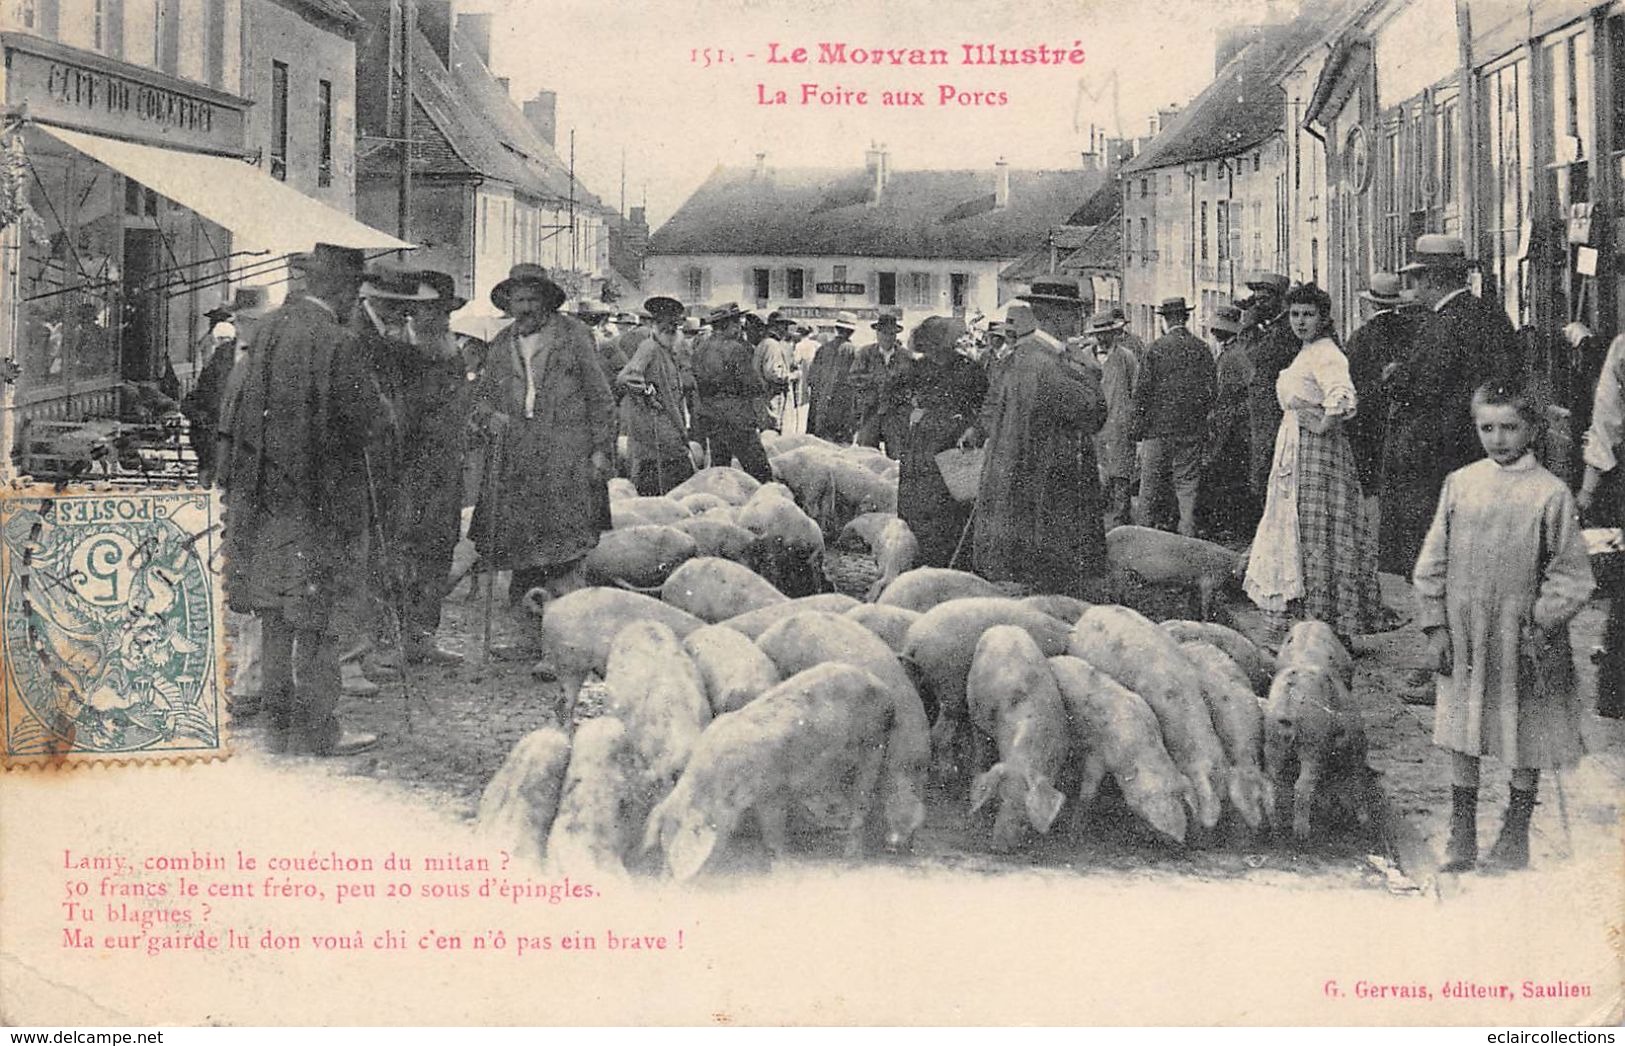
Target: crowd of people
column 340, row 424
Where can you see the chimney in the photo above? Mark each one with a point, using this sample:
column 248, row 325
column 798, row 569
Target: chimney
column 878, row 164
column 543, row 114
column 475, row 29
column 1001, row 184
column 761, row 164
column 502, row 82
column 435, row 19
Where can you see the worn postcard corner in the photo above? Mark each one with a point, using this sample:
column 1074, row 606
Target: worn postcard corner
column 113, row 644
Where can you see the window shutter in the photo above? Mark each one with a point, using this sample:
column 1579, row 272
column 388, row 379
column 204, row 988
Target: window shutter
column 971, row 302
column 775, row 284
column 705, row 286
column 933, row 284
column 873, row 285
column 747, row 285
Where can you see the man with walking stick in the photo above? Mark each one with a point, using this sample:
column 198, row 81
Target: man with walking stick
column 651, row 410
column 543, row 400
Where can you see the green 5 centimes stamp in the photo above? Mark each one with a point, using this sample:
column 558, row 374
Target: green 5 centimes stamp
column 113, row 632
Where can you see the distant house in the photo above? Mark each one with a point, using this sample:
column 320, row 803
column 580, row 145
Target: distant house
column 814, row 242
column 1097, row 263
column 1208, row 200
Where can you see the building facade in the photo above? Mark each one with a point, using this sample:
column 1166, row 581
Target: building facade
column 485, row 188
column 816, row 242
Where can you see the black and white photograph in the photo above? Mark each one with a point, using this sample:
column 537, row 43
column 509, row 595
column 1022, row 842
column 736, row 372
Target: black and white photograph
column 834, row 513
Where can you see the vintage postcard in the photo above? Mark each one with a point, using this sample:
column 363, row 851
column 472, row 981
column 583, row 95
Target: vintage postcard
column 930, row 512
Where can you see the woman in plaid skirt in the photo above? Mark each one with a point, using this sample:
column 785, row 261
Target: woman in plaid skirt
column 1313, row 555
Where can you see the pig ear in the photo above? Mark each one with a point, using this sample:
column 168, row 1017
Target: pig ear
column 982, row 789
column 1043, row 803
column 654, row 829
column 688, row 848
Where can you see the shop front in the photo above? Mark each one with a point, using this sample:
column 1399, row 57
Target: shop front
column 133, row 212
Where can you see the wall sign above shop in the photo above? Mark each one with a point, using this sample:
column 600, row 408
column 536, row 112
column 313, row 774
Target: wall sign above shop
column 838, row 288
column 86, row 91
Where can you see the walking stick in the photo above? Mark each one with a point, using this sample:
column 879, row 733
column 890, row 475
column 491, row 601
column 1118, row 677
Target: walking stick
column 397, row 602
column 493, row 495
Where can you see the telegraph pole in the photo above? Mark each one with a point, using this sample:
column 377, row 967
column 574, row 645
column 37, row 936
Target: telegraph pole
column 409, row 21
column 573, row 264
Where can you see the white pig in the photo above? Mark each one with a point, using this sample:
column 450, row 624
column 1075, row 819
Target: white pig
column 1015, row 701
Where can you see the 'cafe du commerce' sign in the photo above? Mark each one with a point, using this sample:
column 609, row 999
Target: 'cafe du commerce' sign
column 88, row 92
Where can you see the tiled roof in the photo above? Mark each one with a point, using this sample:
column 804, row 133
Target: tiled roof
column 920, row 214
column 1244, row 105
column 1062, row 240
column 465, row 124
column 1101, row 251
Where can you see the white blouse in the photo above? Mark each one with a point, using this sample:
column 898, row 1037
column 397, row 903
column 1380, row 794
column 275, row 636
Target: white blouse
column 1318, row 377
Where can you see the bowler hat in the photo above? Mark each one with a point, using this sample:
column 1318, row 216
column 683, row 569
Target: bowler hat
column 395, row 285
column 1173, row 307
column 529, row 275
column 661, row 305
column 443, row 287
column 888, row 321
column 251, row 302
column 331, row 258
column 1268, row 281
column 1101, row 322
column 220, row 313
column 724, row 313
column 776, row 318
column 1226, row 320
column 1053, row 292
column 1438, row 251
column 1384, row 290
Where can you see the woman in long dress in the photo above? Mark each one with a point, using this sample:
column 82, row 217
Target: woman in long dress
column 945, row 391
column 1314, row 555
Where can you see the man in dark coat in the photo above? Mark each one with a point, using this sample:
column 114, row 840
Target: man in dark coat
column 1172, row 397
column 543, row 401
column 429, row 394
column 1384, row 338
column 831, row 405
column 944, row 391
column 1270, row 346
column 652, row 404
column 202, row 405
column 1225, row 500
column 878, row 371
column 292, row 441
column 1038, row 517
column 1461, row 342
column 728, row 383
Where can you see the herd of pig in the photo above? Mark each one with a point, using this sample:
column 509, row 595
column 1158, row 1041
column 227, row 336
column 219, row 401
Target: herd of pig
column 734, row 690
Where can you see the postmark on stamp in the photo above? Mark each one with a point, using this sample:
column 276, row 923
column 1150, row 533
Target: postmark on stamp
column 112, row 641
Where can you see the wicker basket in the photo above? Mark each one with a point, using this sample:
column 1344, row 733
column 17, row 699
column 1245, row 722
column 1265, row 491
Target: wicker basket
column 961, row 472
column 850, row 573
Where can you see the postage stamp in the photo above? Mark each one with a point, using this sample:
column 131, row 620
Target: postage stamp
column 112, row 647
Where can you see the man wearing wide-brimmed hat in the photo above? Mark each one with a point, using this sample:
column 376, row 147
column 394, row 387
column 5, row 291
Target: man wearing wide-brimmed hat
column 728, row 386
column 230, row 339
column 1383, row 339
column 293, row 436
column 550, row 417
column 1114, row 446
column 776, row 363
column 831, row 400
column 879, row 372
column 1461, row 341
column 652, row 404
column 1038, row 518
column 1175, row 390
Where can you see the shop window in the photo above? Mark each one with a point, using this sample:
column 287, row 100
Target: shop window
column 795, row 284
column 324, row 123
column 1392, row 242
column 1221, row 221
column 919, row 284
column 886, row 287
column 1509, row 169
column 279, row 121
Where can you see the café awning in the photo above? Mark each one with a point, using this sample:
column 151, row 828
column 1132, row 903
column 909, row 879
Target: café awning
column 260, row 212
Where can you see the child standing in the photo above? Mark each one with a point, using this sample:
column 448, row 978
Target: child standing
column 1501, row 572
